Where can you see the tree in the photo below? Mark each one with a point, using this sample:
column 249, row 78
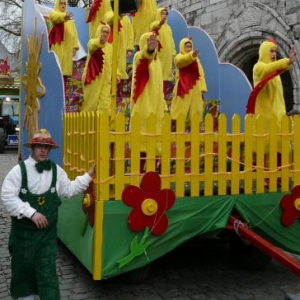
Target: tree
column 11, row 17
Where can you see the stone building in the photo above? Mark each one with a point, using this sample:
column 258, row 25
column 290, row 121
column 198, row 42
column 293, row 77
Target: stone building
column 237, row 28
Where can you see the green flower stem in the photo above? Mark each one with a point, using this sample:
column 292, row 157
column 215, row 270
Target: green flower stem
column 136, row 249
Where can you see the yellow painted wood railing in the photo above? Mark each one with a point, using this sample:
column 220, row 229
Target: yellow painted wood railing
column 191, row 162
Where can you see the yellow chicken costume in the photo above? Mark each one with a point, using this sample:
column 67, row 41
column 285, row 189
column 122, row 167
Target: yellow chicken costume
column 96, row 77
column 190, row 84
column 63, row 39
column 125, row 42
column 143, row 18
column 147, row 88
column 96, row 14
column 267, row 97
column 167, row 50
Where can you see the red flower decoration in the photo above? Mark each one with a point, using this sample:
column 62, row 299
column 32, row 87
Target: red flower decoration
column 290, row 203
column 149, row 204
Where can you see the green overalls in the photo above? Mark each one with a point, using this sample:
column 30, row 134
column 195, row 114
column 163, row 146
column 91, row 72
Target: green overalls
column 34, row 250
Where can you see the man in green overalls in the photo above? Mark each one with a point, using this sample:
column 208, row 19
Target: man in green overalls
column 31, row 194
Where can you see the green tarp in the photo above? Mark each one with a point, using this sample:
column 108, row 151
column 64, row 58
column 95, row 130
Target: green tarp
column 188, row 217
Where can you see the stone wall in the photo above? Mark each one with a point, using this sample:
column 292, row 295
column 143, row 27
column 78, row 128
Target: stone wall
column 239, row 26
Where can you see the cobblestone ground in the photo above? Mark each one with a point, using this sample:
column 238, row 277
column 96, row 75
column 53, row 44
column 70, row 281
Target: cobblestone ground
column 202, row 271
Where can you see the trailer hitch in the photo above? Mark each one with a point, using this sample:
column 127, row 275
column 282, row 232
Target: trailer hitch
column 241, row 228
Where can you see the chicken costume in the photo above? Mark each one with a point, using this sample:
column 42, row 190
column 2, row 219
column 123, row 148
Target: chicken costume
column 96, row 77
column 96, row 15
column 267, row 97
column 125, row 42
column 147, row 88
column 143, row 18
column 63, row 38
column 167, row 50
column 190, row 84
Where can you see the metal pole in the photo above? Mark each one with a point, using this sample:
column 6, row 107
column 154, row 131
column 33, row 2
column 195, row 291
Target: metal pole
column 115, row 58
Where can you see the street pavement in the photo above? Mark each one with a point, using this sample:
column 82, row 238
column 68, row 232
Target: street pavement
column 201, row 270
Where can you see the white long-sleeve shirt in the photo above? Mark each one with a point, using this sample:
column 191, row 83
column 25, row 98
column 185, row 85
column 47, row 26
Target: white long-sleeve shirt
column 38, row 183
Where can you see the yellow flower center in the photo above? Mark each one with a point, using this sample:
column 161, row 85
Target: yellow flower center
column 87, row 200
column 149, row 207
column 41, row 201
column 297, row 203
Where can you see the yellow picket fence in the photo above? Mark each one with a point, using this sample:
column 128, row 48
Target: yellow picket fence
column 192, row 162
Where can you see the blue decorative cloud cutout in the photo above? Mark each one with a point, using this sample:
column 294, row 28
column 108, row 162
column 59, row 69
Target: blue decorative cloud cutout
column 225, row 82
column 52, row 104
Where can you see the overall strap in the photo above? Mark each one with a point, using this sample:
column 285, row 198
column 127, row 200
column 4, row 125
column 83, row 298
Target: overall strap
column 54, row 174
column 23, row 174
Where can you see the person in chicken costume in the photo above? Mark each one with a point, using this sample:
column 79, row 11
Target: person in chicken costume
column 267, row 98
column 125, row 41
column 142, row 19
column 166, row 52
column 96, row 77
column 147, row 87
column 63, row 38
column 96, row 15
column 190, row 82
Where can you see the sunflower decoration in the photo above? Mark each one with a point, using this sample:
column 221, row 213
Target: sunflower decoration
column 88, row 204
column 290, row 205
column 149, row 204
column 32, row 83
column 41, row 201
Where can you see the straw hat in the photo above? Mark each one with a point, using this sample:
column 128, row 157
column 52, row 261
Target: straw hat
column 42, row 137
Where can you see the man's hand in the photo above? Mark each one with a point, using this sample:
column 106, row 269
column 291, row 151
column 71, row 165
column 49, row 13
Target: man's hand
column 39, row 220
column 151, row 43
column 162, row 22
column 195, row 53
column 293, row 55
column 68, row 16
column 92, row 171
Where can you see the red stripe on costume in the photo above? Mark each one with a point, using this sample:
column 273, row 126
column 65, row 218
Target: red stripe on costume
column 188, row 77
column 95, row 66
column 250, row 107
column 141, row 78
column 94, row 8
column 111, row 32
column 159, row 46
column 56, row 34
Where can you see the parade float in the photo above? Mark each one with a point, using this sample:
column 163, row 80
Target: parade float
column 208, row 181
